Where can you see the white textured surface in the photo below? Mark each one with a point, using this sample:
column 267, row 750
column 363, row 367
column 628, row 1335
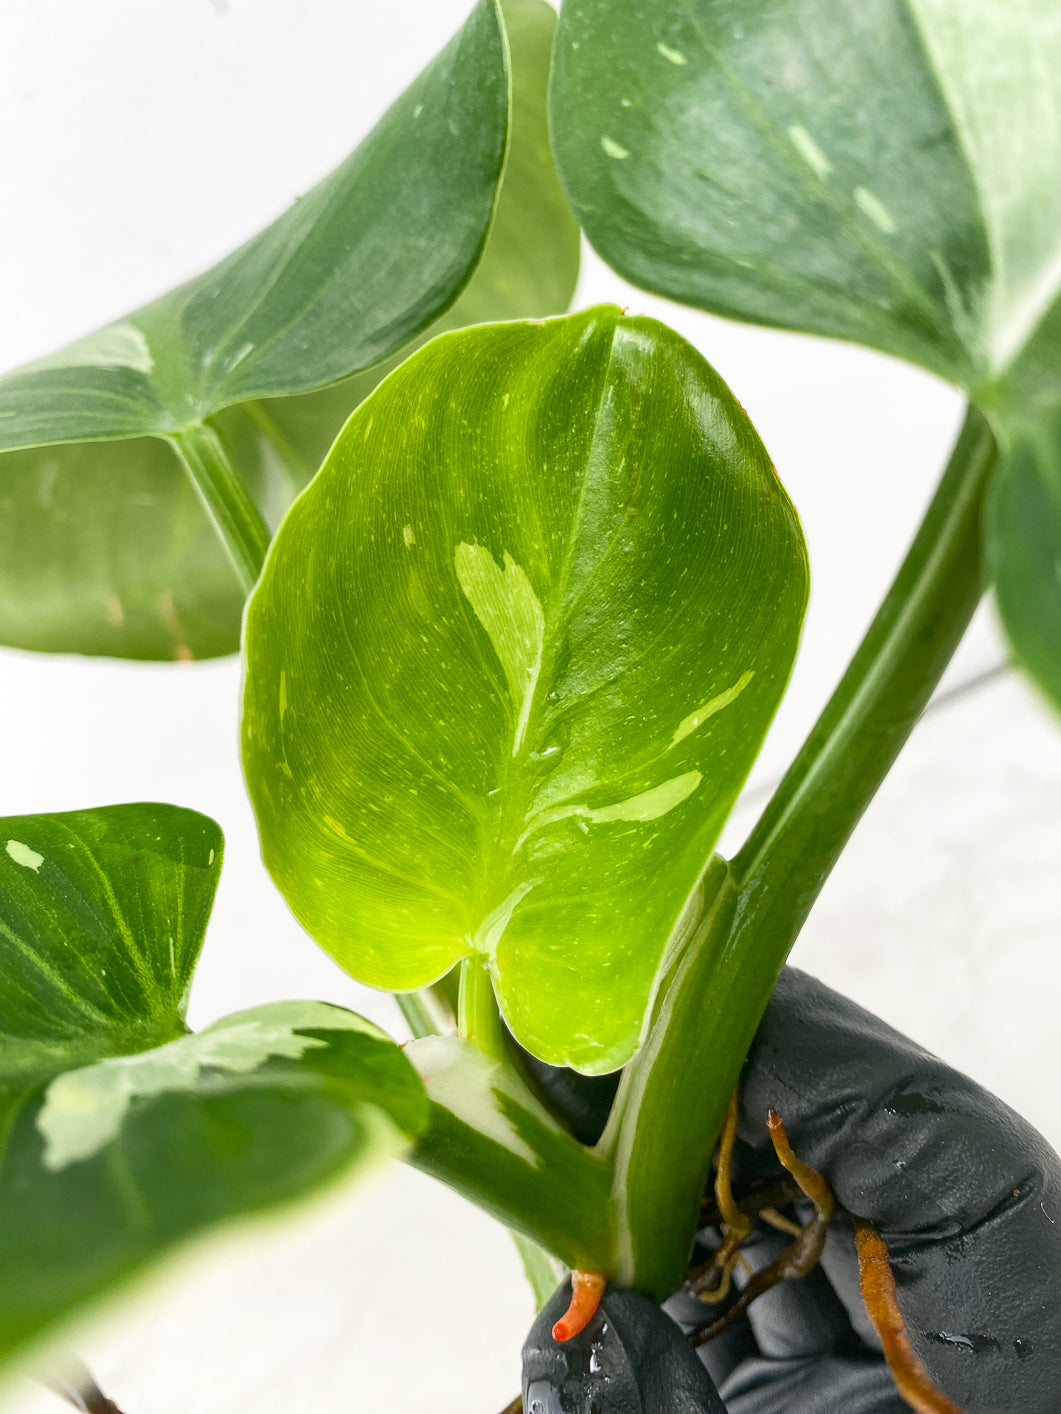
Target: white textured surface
column 141, row 141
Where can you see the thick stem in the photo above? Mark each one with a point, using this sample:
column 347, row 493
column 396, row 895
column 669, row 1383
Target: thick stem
column 225, row 499
column 806, row 824
column 681, row 1080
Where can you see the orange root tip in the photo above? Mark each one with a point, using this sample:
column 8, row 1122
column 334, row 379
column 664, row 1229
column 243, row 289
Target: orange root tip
column 587, row 1288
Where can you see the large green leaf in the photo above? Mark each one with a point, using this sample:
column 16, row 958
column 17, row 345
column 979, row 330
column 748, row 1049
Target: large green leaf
column 511, row 657
column 121, row 1134
column 529, row 266
column 887, row 172
column 104, row 547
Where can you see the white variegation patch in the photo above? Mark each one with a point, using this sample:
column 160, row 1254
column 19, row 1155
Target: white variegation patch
column 709, row 708
column 462, row 1080
column 84, row 1109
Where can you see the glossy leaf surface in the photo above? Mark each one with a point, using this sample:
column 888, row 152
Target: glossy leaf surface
column 511, row 657
column 121, row 1134
column 887, row 172
column 104, row 546
column 102, row 916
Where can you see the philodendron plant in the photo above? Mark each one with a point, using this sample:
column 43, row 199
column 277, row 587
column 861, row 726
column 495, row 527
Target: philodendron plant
column 511, row 653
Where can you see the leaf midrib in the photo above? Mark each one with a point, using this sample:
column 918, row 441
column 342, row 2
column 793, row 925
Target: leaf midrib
column 513, row 809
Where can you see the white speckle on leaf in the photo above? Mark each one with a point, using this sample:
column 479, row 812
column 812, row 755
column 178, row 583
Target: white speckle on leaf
column 872, row 206
column 418, row 110
column 113, row 611
column 710, row 707
column 809, row 150
column 673, row 56
column 210, row 858
column 22, row 854
column 614, row 149
column 408, row 536
column 84, row 1109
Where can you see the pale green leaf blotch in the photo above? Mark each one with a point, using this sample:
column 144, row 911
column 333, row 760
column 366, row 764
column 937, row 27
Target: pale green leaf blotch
column 508, row 608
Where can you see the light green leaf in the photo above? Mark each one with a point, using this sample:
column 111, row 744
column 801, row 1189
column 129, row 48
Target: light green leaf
column 104, row 545
column 887, row 172
column 120, row 1134
column 510, row 660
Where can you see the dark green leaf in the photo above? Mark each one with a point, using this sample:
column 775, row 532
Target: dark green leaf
column 529, row 266
column 102, row 915
column 352, row 271
column 120, row 1134
column 887, row 171
column 510, row 661
column 104, row 546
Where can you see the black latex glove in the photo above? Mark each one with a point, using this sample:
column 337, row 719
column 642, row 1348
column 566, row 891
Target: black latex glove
column 966, row 1194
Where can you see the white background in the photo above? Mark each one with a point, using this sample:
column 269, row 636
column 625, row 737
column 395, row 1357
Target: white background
column 140, row 140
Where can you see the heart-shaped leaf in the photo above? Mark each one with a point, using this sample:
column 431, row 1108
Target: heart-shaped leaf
column 120, row 1134
column 105, row 547
column 887, row 172
column 511, row 658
